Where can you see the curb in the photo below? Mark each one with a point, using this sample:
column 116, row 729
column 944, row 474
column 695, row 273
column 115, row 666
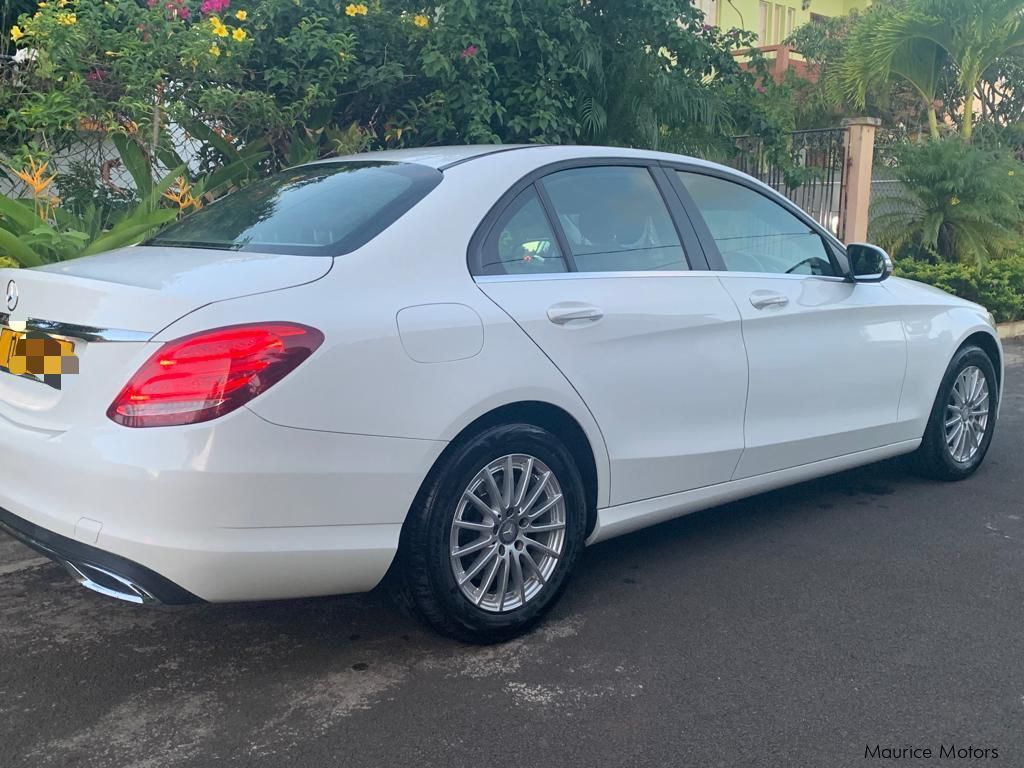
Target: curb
column 1011, row 330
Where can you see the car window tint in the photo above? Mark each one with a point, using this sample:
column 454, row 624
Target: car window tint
column 615, row 219
column 522, row 242
column 323, row 209
column 753, row 232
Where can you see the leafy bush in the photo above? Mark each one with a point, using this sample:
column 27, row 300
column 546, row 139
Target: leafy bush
column 997, row 285
column 956, row 202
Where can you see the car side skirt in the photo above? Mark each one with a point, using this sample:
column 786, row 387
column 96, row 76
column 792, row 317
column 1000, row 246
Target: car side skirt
column 626, row 518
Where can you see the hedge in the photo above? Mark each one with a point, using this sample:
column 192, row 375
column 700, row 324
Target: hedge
column 998, row 284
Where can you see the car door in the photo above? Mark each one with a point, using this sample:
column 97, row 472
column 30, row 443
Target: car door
column 827, row 355
column 591, row 264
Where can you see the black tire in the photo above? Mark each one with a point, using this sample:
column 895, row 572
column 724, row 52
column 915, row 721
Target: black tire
column 934, row 458
column 423, row 575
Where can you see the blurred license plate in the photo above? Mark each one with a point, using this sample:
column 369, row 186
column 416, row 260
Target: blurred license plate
column 38, row 361
column 8, row 338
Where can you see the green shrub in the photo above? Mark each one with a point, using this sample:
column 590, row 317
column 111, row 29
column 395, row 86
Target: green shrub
column 997, row 285
column 956, row 202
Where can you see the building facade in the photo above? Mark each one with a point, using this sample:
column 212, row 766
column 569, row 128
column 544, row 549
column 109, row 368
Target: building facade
column 773, row 20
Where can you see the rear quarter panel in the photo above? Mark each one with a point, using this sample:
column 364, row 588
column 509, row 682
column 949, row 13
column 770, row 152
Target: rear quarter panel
column 363, row 380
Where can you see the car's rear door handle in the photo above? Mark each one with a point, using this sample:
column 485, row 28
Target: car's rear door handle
column 763, row 299
column 560, row 314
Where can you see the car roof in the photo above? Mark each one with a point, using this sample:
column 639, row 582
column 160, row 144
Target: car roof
column 448, row 156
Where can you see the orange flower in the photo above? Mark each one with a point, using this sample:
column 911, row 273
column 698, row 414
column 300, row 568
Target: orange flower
column 34, row 177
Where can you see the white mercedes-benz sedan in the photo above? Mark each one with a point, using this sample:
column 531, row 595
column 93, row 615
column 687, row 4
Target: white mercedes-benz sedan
column 458, row 366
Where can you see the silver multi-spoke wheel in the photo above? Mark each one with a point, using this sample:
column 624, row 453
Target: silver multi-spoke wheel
column 508, row 533
column 966, row 416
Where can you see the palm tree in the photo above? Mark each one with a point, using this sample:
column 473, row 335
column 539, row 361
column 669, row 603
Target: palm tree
column 918, row 40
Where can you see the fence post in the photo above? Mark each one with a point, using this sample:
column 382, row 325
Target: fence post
column 860, row 158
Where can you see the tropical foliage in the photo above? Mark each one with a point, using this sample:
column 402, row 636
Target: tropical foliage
column 997, row 285
column 256, row 85
column 934, row 46
column 955, row 201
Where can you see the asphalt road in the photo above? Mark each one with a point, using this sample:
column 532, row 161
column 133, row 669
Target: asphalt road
column 792, row 629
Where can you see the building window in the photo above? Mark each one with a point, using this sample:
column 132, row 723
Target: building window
column 710, row 9
column 780, row 23
column 764, row 22
column 790, row 21
column 817, row 18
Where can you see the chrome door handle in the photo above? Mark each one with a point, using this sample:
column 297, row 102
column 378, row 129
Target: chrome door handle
column 763, row 300
column 560, row 314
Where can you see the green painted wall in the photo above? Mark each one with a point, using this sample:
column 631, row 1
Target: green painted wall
column 748, row 15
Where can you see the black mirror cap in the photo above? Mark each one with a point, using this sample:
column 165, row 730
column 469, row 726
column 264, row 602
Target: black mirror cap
column 868, row 263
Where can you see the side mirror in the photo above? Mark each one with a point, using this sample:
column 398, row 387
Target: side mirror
column 868, row 263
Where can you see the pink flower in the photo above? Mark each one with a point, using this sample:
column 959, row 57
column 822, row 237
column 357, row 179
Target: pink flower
column 214, row 6
column 469, row 51
column 96, row 75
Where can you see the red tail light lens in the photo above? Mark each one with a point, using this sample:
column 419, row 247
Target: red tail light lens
column 206, row 375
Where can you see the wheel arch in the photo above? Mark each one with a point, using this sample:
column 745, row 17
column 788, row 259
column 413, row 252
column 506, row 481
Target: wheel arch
column 989, row 344
column 554, row 419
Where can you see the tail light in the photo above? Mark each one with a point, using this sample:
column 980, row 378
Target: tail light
column 206, row 375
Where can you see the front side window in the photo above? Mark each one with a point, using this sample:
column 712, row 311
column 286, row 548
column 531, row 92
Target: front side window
column 523, row 242
column 615, row 220
column 753, row 232
column 324, row 209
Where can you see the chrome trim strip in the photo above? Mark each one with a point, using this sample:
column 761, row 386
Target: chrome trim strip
column 73, row 331
column 640, row 274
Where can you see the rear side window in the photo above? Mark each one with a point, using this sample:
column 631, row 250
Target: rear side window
column 325, row 209
column 524, row 242
column 615, row 220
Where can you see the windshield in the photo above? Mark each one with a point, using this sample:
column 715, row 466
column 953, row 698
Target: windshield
column 325, row 209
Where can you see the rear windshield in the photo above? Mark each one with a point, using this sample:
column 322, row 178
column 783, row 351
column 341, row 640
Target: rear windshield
column 325, row 209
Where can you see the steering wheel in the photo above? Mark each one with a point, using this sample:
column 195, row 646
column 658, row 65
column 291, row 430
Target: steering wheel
column 813, row 261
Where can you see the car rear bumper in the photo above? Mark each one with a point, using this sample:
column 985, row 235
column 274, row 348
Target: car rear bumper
column 237, row 509
column 95, row 569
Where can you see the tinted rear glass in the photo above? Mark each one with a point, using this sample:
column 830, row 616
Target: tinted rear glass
column 318, row 210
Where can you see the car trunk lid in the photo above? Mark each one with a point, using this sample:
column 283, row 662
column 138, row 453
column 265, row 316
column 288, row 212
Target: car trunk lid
column 109, row 305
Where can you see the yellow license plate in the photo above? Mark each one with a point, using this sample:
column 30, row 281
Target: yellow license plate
column 37, row 357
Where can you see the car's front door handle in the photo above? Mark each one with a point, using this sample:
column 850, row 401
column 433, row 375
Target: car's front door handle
column 763, row 299
column 560, row 314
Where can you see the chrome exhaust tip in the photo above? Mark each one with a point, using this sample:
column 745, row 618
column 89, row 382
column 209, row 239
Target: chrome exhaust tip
column 108, row 583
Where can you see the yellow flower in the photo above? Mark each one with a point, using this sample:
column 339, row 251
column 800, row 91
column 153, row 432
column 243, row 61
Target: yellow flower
column 33, row 177
column 43, row 5
column 241, row 15
column 181, row 194
column 1013, row 173
column 354, row 9
column 238, row 34
column 421, row 21
column 64, row 3
column 218, row 27
column 67, row 19
column 955, row 201
column 16, row 33
column 214, row 50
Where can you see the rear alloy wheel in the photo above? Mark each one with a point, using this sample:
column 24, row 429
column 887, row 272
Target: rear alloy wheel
column 490, row 544
column 963, row 418
column 508, row 533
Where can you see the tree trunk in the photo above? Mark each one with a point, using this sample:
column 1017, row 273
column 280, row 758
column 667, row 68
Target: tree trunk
column 967, row 130
column 933, row 122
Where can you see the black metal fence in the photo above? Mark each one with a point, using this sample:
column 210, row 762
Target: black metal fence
column 811, row 171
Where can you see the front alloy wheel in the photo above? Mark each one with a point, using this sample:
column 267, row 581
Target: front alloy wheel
column 963, row 417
